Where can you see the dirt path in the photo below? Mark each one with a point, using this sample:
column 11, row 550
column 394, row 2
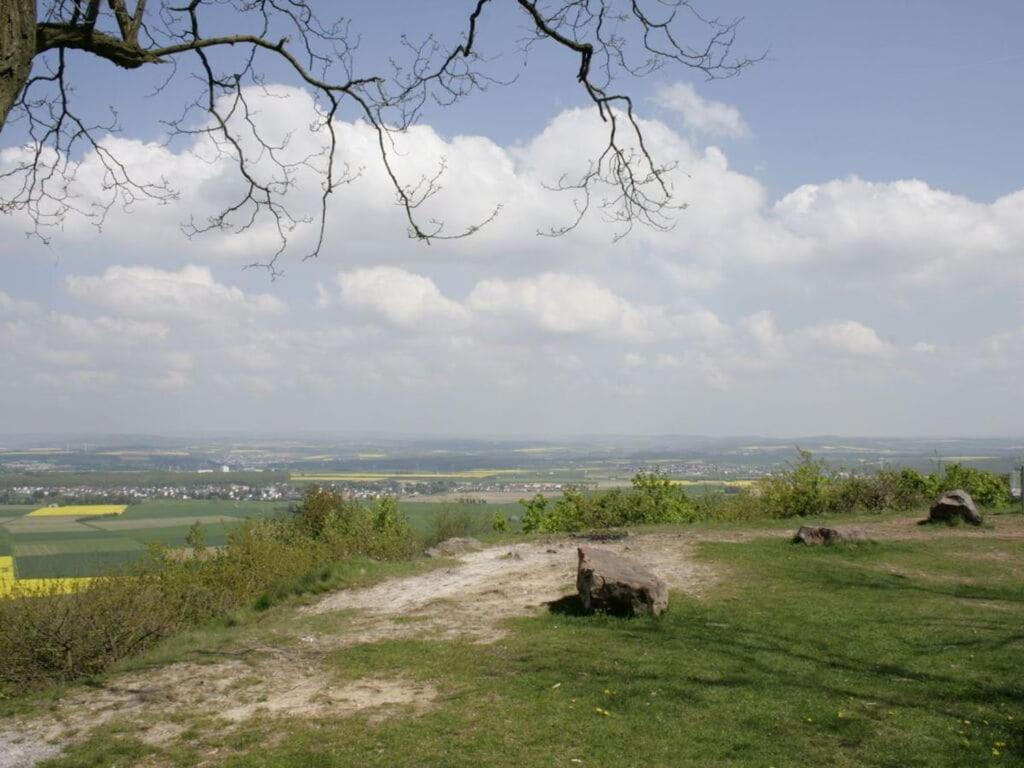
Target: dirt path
column 470, row 600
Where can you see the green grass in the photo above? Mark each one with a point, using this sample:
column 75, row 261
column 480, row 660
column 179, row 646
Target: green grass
column 214, row 534
column 16, row 510
column 73, row 564
column 149, row 510
column 75, row 546
column 421, row 514
column 888, row 654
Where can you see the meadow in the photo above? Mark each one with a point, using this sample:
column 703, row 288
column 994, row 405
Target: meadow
column 901, row 652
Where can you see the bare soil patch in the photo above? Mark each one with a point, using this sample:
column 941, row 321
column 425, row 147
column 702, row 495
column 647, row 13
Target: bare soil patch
column 472, row 599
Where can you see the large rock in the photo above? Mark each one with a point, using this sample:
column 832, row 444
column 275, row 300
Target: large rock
column 955, row 506
column 814, row 535
column 453, row 547
column 616, row 584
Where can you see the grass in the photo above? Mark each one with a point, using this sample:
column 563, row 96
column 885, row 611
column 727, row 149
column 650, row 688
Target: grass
column 888, row 654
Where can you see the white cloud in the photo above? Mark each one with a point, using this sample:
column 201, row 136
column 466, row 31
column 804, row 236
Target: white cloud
column 404, row 331
column 848, row 338
column 761, row 327
column 402, row 298
column 11, row 307
column 700, row 115
column 191, row 292
column 906, row 230
column 566, row 304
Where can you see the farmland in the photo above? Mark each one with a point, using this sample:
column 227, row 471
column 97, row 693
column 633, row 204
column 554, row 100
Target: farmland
column 79, row 510
column 72, row 543
column 61, row 550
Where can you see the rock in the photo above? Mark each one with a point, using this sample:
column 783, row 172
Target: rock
column 954, row 506
column 814, row 535
column 609, row 582
column 453, row 547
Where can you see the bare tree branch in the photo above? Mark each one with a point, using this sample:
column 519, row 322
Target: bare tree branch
column 612, row 40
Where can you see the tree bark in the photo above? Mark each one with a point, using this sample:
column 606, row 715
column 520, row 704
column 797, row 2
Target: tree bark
column 17, row 48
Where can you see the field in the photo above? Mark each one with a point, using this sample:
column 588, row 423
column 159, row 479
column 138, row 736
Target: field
column 79, row 510
column 58, row 547
column 371, row 477
column 77, row 542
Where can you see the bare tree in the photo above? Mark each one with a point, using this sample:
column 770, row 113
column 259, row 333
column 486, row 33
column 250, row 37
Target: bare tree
column 610, row 39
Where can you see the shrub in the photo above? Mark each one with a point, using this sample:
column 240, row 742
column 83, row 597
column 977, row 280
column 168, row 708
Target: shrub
column 456, row 521
column 653, row 498
column 47, row 637
column 805, row 489
column 808, row 487
column 986, row 488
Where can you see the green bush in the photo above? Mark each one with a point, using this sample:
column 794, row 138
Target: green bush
column 58, row 637
column 653, row 498
column 807, row 488
column 987, row 489
column 456, row 521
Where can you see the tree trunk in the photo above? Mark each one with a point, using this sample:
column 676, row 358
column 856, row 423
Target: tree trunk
column 17, row 48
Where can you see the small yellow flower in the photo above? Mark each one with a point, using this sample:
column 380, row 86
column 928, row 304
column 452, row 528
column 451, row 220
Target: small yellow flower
column 995, row 752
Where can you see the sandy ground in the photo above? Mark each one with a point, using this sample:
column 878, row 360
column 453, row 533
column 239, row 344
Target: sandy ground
column 470, row 600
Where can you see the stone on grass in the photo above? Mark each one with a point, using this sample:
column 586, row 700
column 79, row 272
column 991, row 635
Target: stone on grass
column 955, row 506
column 609, row 582
column 455, row 546
column 815, row 535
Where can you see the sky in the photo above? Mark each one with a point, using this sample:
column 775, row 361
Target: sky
column 850, row 260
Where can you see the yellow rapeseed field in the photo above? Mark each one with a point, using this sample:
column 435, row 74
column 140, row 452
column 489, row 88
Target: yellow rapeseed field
column 79, row 510
column 9, row 585
column 25, row 587
column 6, row 574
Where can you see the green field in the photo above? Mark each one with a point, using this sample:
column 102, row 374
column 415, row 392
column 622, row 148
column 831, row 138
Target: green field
column 53, row 547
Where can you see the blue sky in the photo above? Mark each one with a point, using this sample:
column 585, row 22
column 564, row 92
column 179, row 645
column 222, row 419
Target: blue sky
column 851, row 261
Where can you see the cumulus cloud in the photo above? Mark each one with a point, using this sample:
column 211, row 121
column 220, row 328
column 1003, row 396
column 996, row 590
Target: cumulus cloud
column 701, row 115
column 848, row 338
column 402, row 298
column 566, row 304
column 905, row 230
column 148, row 292
column 741, row 297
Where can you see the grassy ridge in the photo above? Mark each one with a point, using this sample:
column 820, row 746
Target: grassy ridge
column 882, row 655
